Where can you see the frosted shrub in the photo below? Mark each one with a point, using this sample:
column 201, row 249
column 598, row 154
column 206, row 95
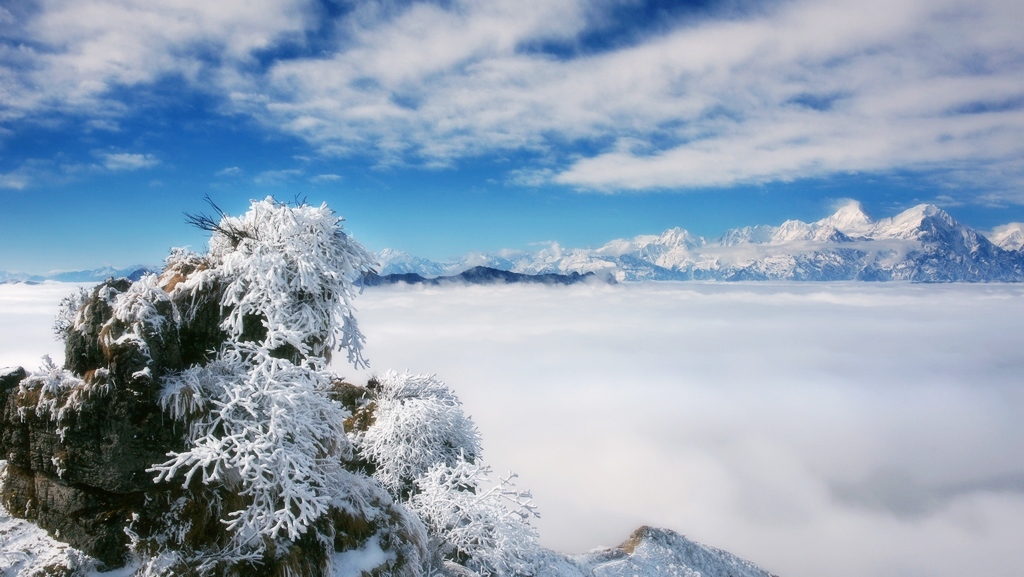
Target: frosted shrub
column 427, row 452
column 418, row 422
column 270, row 429
column 136, row 310
column 51, row 385
column 486, row 528
column 67, row 313
column 293, row 268
column 261, row 421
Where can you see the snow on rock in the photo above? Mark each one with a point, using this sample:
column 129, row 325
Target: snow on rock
column 361, row 560
column 25, row 549
column 662, row 553
column 28, row 551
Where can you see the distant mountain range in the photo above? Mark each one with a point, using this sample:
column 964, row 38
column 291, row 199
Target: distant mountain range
column 95, row 275
column 477, row 275
column 922, row 244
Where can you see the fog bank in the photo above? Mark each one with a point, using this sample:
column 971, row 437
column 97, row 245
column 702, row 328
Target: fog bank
column 817, row 429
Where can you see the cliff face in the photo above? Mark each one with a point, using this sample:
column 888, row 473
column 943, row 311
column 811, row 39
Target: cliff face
column 78, row 440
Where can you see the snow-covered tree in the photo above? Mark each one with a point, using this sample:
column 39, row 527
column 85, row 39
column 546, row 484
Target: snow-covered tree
column 418, row 423
column 261, row 420
column 486, row 528
column 267, row 426
column 426, row 451
column 291, row 269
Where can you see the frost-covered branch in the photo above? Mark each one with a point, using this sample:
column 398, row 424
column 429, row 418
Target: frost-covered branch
column 487, row 527
column 418, row 422
column 296, row 273
column 269, row 427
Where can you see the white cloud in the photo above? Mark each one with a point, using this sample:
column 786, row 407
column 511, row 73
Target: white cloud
column 69, row 55
column 33, row 172
column 15, row 179
column 229, row 171
column 806, row 89
column 126, row 161
column 271, row 177
column 791, row 90
column 531, row 177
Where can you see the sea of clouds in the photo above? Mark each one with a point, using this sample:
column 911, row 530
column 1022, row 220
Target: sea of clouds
column 841, row 429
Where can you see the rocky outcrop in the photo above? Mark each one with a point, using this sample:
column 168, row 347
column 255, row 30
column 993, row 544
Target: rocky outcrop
column 652, row 551
column 78, row 441
column 105, row 452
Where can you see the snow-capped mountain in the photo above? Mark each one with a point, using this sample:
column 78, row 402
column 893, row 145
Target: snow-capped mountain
column 923, row 244
column 664, row 553
column 95, row 275
column 1008, row 236
column 398, row 262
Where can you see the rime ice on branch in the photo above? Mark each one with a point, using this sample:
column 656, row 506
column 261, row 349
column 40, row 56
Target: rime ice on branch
column 292, row 268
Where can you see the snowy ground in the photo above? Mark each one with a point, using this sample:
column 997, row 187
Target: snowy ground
column 816, row 429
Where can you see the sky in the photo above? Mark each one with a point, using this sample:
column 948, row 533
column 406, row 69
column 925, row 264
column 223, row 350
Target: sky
column 840, row 429
column 443, row 127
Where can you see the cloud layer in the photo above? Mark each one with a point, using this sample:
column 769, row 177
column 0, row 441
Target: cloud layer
column 757, row 93
column 818, row 429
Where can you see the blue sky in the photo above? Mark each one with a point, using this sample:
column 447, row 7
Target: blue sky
column 439, row 128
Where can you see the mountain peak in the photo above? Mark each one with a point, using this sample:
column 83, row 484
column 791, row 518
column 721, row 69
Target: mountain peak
column 911, row 222
column 1008, row 236
column 649, row 551
column 923, row 243
column 680, row 237
column 924, row 210
column 850, row 218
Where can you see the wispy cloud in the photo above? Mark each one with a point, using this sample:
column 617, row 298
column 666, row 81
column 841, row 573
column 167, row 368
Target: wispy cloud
column 33, row 172
column 271, row 177
column 530, row 176
column 16, row 180
column 806, row 89
column 230, row 171
column 125, row 161
column 71, row 57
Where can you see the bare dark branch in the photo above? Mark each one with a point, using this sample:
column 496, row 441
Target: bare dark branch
column 217, row 224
